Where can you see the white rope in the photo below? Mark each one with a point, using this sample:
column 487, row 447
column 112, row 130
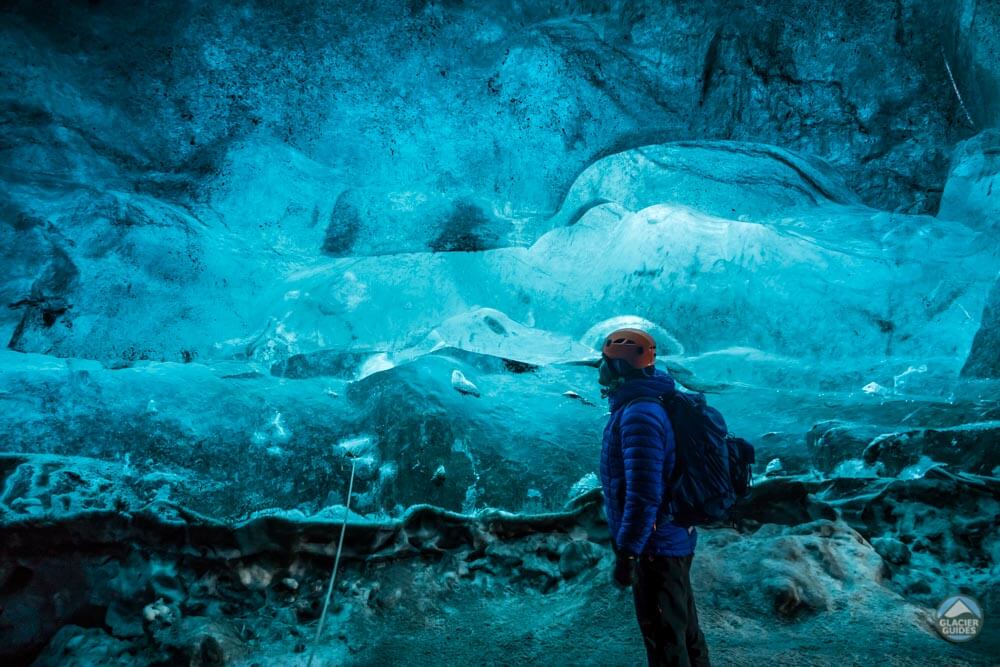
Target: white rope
column 333, row 573
column 954, row 86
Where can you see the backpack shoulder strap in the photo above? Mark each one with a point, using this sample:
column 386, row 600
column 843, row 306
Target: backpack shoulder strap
column 660, row 400
column 647, row 399
column 639, row 399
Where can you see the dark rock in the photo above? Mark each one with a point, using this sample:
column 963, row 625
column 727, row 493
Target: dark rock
column 833, row 442
column 577, row 556
column 203, row 641
column 537, row 571
column 515, row 366
column 970, row 447
column 211, row 653
column 788, row 447
column 466, row 229
column 984, row 357
column 343, row 228
column 75, row 645
column 785, row 501
column 50, row 298
column 791, row 598
column 892, row 550
column 38, row 599
column 124, row 618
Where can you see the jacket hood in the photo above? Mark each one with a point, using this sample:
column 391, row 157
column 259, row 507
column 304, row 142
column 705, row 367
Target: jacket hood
column 651, row 385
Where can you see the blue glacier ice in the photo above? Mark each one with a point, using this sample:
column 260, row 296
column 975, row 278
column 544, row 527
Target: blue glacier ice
column 247, row 247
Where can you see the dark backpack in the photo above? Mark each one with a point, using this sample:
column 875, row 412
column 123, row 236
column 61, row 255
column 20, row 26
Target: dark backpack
column 712, row 469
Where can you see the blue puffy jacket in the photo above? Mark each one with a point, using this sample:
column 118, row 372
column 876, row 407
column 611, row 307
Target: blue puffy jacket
column 636, row 461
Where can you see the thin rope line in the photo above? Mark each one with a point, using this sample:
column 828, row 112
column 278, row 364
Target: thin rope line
column 333, row 573
column 954, row 86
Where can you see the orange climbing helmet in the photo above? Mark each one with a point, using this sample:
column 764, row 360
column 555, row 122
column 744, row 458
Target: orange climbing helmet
column 634, row 346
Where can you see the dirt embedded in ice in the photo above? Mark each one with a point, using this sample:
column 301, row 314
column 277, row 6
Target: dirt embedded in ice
column 497, row 586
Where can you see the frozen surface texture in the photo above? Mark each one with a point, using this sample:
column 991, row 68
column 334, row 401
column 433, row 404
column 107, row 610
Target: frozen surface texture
column 247, row 247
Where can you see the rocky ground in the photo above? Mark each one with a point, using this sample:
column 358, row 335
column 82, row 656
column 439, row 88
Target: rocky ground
column 829, row 571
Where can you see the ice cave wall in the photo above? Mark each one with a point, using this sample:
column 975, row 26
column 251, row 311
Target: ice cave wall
column 285, row 194
column 155, row 141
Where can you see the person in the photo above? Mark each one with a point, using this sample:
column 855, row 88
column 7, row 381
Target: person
column 652, row 554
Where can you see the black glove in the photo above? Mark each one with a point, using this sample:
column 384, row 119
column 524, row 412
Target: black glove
column 625, row 565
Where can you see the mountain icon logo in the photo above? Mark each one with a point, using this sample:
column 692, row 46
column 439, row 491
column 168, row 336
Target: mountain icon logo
column 957, row 609
column 959, row 618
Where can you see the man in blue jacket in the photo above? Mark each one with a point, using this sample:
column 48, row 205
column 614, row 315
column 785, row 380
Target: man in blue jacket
column 652, row 554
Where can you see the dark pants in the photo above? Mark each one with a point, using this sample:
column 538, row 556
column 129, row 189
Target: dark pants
column 664, row 604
